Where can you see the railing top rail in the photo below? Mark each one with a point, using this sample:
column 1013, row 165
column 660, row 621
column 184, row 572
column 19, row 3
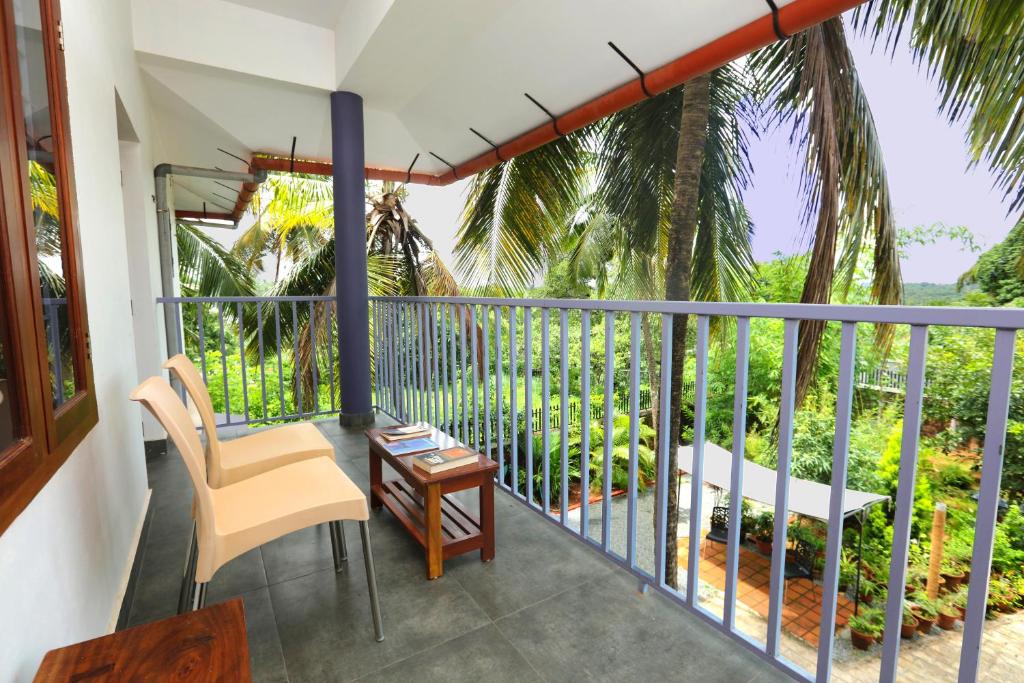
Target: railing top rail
column 238, row 299
column 1000, row 318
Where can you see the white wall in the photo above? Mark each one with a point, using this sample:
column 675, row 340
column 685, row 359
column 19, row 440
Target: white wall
column 64, row 560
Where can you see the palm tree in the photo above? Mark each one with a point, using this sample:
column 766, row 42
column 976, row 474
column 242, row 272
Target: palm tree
column 673, row 168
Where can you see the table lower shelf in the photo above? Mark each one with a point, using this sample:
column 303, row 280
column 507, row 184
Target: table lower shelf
column 460, row 530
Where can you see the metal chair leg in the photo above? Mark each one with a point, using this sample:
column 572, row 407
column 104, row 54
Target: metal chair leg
column 341, row 537
column 199, row 600
column 338, row 545
column 188, row 575
column 371, row 581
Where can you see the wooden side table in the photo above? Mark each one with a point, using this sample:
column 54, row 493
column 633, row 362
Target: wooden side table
column 207, row 645
column 438, row 523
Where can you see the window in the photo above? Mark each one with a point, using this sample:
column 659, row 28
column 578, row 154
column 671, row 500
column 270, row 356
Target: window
column 47, row 402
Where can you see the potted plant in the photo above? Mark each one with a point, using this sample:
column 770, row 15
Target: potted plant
column 909, row 625
column 948, row 612
column 952, row 574
column 868, row 590
column 926, row 610
column 764, row 527
column 959, row 600
column 915, row 578
column 847, row 571
column 1001, row 596
column 865, row 628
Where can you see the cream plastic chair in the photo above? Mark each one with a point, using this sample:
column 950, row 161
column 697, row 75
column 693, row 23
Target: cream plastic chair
column 236, row 518
column 231, row 461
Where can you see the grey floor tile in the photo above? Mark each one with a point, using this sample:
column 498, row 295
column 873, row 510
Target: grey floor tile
column 265, row 654
column 533, row 561
column 480, row 655
column 326, row 629
column 240, row 575
column 300, row 553
column 606, row 630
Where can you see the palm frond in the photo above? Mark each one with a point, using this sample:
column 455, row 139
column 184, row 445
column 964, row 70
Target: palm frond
column 516, row 212
column 205, row 268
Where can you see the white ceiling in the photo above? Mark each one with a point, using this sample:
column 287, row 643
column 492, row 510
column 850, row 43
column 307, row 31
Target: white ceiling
column 427, row 71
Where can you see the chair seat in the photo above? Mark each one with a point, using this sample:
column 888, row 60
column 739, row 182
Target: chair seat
column 719, row 536
column 259, row 509
column 262, row 451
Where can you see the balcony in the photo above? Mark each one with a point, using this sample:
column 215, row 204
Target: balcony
column 568, row 569
column 545, row 609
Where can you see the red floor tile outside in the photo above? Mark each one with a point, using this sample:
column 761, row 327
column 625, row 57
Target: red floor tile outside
column 801, row 610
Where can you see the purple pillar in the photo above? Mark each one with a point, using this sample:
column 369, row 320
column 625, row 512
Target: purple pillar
column 350, row 258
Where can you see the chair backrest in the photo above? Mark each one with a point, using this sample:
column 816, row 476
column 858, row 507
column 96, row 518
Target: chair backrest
column 161, row 400
column 720, row 518
column 188, row 374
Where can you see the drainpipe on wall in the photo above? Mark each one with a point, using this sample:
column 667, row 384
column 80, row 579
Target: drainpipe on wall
column 165, row 229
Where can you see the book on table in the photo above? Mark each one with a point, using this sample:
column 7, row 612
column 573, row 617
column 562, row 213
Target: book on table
column 403, row 432
column 410, row 446
column 448, row 459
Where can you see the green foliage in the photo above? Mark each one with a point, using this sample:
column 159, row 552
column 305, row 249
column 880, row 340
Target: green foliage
column 998, row 271
column 620, row 454
column 888, row 476
column 870, row 622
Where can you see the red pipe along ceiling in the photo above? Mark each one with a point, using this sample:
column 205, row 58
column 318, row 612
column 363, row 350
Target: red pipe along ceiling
column 793, row 18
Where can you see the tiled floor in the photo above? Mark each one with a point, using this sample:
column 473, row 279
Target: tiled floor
column 801, row 610
column 546, row 609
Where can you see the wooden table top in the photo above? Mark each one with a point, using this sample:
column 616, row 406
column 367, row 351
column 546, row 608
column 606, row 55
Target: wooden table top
column 404, row 463
column 207, row 645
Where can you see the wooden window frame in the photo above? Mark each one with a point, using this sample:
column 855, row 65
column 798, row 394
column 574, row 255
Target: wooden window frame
column 48, row 434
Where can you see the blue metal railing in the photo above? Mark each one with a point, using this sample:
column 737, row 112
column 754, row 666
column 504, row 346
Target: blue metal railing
column 53, row 307
column 421, row 369
column 266, row 359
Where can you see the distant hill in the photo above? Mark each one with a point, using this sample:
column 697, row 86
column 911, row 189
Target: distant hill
column 932, row 294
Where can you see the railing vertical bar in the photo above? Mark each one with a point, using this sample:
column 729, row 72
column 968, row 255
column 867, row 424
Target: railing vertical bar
column 375, row 321
column 513, row 394
column 585, row 423
column 486, row 310
column 988, row 502
column 201, row 325
column 389, row 344
column 700, row 401
column 609, row 416
column 739, row 433
column 837, row 503
column 179, row 337
column 280, row 362
column 545, row 410
column 313, row 358
column 634, row 436
column 455, row 370
column 241, row 355
column 224, row 363
column 425, row 355
column 432, row 312
column 499, row 381
column 263, row 359
column 296, row 365
column 778, row 556
column 904, row 501
column 475, row 369
column 665, row 444
column 442, row 311
column 528, row 399
column 58, row 366
column 417, row 352
column 462, row 348
column 408, row 410
column 330, row 351
column 563, row 413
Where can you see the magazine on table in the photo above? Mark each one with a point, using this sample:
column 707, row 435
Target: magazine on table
column 410, row 446
column 404, row 432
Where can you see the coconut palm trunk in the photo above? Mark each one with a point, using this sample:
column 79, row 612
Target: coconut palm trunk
column 693, row 134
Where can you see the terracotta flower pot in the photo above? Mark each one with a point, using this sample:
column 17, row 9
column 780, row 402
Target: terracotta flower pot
column 924, row 624
column 952, row 581
column 764, row 545
column 962, row 611
column 907, row 630
column 867, row 599
column 861, row 641
column 947, row 621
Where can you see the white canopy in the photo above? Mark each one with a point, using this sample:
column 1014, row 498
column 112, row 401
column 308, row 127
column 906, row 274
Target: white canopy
column 807, row 498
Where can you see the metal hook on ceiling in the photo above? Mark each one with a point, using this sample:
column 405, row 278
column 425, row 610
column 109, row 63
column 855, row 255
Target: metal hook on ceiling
column 497, row 151
column 446, row 163
column 554, row 119
column 408, row 172
column 637, row 69
column 776, row 25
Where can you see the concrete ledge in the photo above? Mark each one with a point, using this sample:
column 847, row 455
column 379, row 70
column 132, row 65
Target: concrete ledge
column 356, row 419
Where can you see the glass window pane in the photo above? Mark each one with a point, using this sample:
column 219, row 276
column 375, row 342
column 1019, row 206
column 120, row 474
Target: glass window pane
column 7, row 435
column 46, row 200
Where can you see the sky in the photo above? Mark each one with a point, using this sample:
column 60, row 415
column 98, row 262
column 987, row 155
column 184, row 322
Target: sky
column 927, row 162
